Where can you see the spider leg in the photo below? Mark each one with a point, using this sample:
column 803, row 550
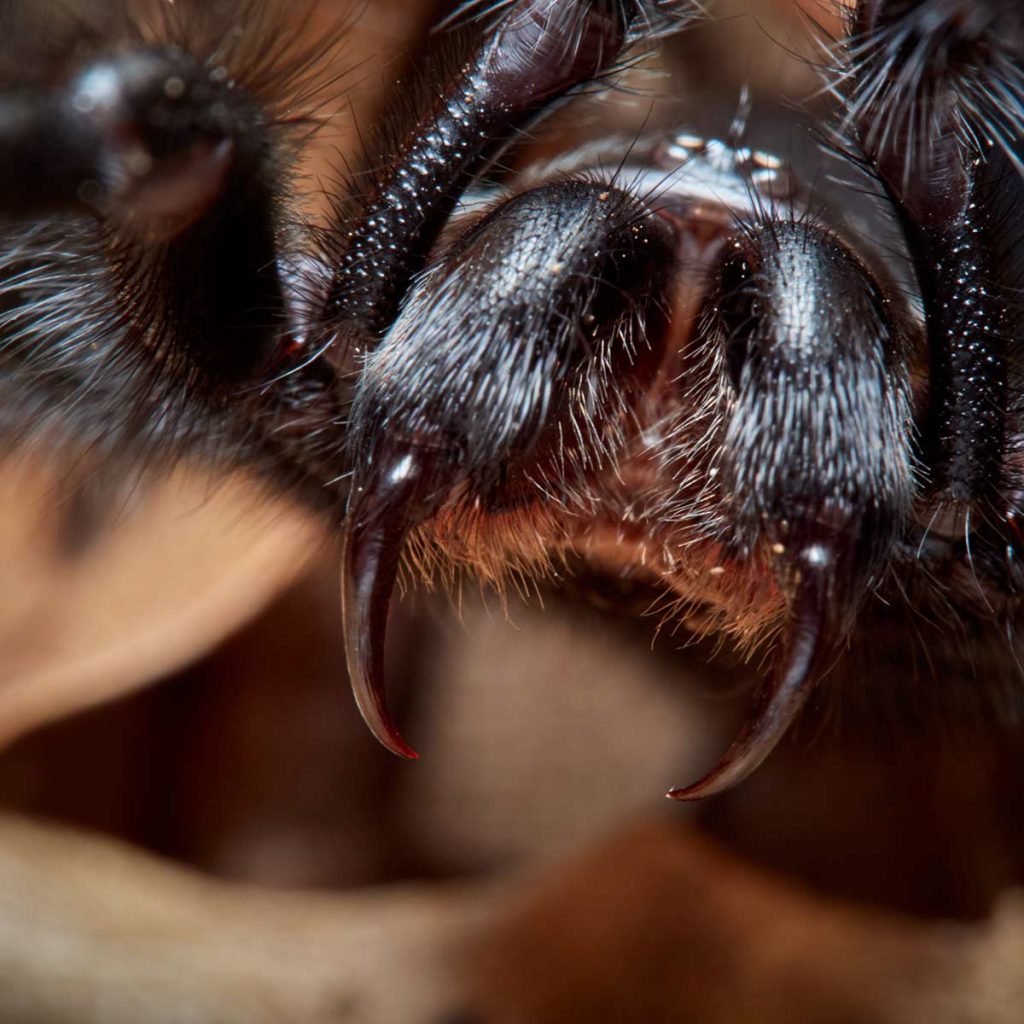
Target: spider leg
column 535, row 53
column 177, row 168
column 142, row 265
column 934, row 88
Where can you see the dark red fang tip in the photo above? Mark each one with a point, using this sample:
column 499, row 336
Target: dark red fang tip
column 381, row 514
column 811, row 638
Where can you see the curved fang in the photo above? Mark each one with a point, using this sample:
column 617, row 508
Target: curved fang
column 811, row 637
column 380, row 517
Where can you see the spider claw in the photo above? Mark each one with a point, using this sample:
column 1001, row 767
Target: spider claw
column 379, row 520
column 367, row 581
column 811, row 639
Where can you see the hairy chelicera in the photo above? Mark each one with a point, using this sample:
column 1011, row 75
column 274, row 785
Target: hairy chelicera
column 661, row 355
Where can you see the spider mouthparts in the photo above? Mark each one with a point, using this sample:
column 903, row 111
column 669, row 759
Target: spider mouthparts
column 381, row 513
column 811, row 639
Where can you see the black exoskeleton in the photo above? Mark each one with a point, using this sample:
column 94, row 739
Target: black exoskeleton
column 662, row 355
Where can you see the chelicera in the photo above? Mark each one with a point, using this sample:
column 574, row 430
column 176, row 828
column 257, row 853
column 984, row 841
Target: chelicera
column 656, row 354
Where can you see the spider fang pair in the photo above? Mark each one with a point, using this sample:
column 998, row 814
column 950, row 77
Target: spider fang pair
column 674, row 367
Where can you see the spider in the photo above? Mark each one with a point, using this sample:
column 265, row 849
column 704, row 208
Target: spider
column 664, row 355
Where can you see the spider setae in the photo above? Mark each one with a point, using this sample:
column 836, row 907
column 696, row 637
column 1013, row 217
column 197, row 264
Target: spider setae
column 661, row 354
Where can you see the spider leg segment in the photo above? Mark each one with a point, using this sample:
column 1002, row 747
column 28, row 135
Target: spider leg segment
column 142, row 270
column 535, row 53
column 135, row 137
column 934, row 90
column 150, row 143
